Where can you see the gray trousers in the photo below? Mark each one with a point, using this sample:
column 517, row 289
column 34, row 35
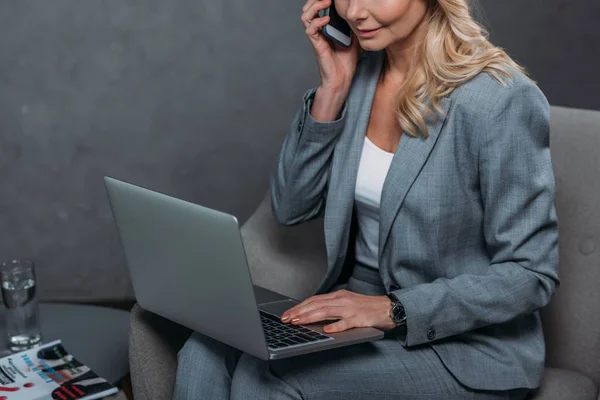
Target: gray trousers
column 384, row 369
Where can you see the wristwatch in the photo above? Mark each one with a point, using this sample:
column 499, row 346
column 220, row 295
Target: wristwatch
column 397, row 313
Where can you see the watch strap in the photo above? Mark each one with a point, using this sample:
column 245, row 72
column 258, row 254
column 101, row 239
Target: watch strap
column 397, row 313
column 392, row 297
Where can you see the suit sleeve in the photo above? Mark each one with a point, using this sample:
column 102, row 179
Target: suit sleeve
column 520, row 227
column 299, row 181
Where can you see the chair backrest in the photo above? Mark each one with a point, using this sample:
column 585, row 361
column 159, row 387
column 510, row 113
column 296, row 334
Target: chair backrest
column 292, row 260
column 289, row 260
column 572, row 320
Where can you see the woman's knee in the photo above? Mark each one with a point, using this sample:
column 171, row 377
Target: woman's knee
column 198, row 347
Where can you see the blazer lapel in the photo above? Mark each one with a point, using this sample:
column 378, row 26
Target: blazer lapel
column 411, row 154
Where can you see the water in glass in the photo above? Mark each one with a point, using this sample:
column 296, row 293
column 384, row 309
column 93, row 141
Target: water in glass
column 18, row 294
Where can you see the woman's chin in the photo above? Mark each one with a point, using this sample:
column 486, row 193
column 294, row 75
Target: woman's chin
column 370, row 45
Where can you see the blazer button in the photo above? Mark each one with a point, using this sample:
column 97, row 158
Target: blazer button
column 431, row 334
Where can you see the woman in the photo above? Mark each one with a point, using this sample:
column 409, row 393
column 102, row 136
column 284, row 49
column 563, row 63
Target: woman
column 428, row 156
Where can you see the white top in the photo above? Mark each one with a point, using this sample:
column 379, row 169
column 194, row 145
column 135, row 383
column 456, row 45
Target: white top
column 372, row 170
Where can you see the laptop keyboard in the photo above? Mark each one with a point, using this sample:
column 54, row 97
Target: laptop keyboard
column 280, row 335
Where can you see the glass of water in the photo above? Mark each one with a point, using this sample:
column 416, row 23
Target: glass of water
column 18, row 294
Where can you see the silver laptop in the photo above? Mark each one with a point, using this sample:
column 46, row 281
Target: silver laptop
column 187, row 264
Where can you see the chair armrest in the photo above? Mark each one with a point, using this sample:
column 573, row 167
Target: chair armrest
column 563, row 384
column 153, row 345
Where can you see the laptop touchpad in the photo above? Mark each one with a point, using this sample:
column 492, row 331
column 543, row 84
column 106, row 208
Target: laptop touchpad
column 278, row 307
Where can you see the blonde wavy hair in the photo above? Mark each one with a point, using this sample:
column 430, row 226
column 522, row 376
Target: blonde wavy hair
column 454, row 50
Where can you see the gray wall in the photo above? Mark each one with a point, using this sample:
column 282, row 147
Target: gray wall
column 557, row 40
column 191, row 98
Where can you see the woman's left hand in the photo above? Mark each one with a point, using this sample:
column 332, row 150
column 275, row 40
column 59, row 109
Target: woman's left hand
column 352, row 310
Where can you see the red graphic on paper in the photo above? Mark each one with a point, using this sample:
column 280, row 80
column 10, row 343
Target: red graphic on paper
column 13, row 389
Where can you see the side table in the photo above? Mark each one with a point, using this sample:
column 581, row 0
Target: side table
column 96, row 336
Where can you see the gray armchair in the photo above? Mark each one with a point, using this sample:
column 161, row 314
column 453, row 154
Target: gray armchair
column 571, row 321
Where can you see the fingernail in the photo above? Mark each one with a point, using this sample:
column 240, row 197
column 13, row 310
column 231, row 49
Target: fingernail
column 296, row 320
column 285, row 317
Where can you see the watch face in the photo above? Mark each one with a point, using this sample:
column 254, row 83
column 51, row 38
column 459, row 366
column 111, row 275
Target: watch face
column 398, row 312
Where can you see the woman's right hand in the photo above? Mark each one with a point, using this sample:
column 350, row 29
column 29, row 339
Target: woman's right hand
column 337, row 64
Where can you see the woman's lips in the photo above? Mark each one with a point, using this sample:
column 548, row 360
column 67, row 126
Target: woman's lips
column 368, row 33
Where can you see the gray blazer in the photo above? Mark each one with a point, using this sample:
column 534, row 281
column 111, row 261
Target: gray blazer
column 468, row 236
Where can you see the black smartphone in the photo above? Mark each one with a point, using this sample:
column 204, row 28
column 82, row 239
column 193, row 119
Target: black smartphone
column 337, row 29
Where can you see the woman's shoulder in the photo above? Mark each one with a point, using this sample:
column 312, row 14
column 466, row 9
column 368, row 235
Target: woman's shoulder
column 482, row 93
